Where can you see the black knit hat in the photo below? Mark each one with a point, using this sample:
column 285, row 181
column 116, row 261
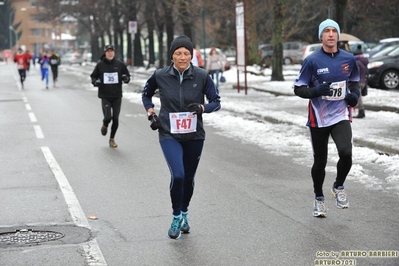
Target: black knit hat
column 109, row 46
column 181, row 41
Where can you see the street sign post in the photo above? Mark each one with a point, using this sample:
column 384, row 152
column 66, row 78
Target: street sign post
column 241, row 43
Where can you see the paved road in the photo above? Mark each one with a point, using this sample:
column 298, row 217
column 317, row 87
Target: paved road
column 251, row 206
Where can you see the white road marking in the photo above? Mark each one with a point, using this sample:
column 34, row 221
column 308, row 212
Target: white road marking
column 32, row 117
column 27, row 106
column 93, row 254
column 38, row 131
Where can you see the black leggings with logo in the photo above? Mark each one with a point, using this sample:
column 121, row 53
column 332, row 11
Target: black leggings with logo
column 111, row 110
column 341, row 134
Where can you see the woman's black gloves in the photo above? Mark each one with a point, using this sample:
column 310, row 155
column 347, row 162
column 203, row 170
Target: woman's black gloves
column 195, row 108
column 155, row 123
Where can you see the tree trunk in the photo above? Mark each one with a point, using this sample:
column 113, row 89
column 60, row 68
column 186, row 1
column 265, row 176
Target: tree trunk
column 252, row 46
column 169, row 23
column 340, row 7
column 160, row 30
column 138, row 53
column 279, row 10
column 185, row 17
column 149, row 18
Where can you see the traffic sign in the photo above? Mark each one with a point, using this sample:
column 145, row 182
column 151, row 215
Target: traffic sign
column 133, row 27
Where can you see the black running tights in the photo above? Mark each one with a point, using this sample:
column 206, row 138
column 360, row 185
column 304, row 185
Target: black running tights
column 22, row 75
column 341, row 134
column 111, row 110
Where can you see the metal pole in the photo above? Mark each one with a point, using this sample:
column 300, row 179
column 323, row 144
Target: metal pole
column 203, row 35
column 16, row 37
column 9, row 27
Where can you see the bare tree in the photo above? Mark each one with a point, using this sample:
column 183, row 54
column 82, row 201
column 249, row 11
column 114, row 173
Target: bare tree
column 340, row 18
column 150, row 19
column 279, row 9
column 184, row 17
column 169, row 22
column 268, row 21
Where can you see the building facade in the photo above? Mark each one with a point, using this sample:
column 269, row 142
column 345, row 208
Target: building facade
column 37, row 36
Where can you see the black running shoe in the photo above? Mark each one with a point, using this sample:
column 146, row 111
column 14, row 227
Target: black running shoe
column 112, row 143
column 104, row 130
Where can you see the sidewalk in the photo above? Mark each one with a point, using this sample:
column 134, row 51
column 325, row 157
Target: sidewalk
column 378, row 130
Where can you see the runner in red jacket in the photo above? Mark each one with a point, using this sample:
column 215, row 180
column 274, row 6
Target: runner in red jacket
column 22, row 64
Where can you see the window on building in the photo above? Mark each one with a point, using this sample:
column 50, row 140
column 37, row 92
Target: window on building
column 36, row 32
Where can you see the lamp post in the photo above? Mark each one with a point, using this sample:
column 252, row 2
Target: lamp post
column 10, row 27
column 203, row 34
column 16, row 38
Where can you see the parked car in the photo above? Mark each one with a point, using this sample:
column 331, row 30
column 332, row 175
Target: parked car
column 366, row 46
column 292, row 53
column 384, row 51
column 223, row 57
column 230, row 53
column 87, row 57
column 72, row 58
column 310, row 48
column 265, row 52
column 384, row 71
column 382, row 44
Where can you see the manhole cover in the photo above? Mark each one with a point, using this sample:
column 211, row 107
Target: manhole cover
column 26, row 236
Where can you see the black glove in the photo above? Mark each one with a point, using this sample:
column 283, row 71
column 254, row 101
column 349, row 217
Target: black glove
column 96, row 82
column 195, row 108
column 322, row 90
column 155, row 123
column 125, row 78
column 352, row 99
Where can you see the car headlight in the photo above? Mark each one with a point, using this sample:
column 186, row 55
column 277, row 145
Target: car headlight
column 374, row 64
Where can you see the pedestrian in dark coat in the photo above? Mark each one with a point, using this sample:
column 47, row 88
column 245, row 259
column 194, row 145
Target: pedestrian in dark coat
column 362, row 63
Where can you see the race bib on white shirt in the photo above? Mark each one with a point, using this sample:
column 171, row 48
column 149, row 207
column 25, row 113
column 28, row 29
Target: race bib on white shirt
column 182, row 123
column 111, row 78
column 339, row 91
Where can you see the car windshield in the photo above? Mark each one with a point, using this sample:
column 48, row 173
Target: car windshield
column 267, row 48
column 394, row 52
column 378, row 47
column 315, row 47
column 384, row 51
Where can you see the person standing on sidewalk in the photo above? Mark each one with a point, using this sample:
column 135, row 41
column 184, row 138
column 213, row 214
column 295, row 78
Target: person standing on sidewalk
column 362, row 63
column 214, row 65
column 108, row 75
column 182, row 88
column 55, row 61
column 22, row 64
column 329, row 78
